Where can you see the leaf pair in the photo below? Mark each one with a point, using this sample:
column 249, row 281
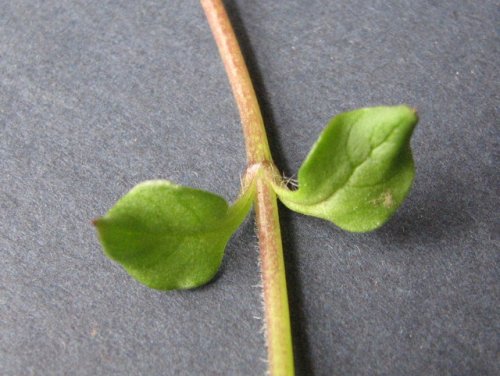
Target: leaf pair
column 356, row 176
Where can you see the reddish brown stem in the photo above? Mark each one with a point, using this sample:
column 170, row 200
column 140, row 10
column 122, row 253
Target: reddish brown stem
column 257, row 147
column 277, row 318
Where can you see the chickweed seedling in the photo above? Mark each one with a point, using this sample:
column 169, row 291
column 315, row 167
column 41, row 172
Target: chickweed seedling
column 356, row 175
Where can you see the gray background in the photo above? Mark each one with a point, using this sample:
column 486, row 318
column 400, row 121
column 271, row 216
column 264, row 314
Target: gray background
column 97, row 96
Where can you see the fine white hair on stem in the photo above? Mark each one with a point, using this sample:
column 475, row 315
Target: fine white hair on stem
column 289, row 181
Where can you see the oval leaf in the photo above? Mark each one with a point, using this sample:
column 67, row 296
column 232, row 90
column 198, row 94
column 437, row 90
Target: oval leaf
column 359, row 171
column 168, row 236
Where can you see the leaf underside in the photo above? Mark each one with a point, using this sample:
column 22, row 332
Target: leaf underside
column 168, row 236
column 359, row 171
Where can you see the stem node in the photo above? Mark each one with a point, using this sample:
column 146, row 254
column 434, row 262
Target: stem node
column 261, row 168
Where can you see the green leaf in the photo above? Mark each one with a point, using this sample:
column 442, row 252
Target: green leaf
column 170, row 237
column 359, row 171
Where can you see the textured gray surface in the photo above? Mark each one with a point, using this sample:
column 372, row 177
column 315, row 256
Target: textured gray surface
column 96, row 96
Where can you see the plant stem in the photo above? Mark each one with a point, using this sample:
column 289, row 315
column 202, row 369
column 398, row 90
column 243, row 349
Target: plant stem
column 256, row 143
column 277, row 318
column 279, row 339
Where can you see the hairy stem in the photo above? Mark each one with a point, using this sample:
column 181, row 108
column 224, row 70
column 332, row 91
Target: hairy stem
column 279, row 340
column 277, row 318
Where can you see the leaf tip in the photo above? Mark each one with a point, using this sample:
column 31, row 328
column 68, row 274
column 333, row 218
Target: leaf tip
column 413, row 111
column 96, row 222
